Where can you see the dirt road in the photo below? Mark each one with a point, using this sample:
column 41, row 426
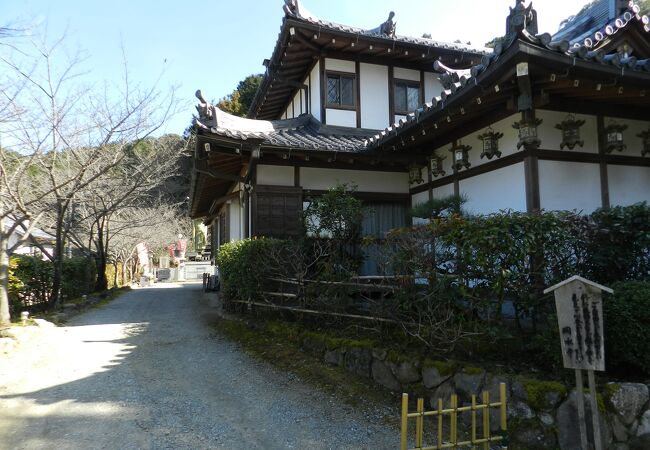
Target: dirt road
column 147, row 372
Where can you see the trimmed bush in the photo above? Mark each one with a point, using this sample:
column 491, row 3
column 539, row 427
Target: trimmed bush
column 627, row 321
column 243, row 267
column 31, row 280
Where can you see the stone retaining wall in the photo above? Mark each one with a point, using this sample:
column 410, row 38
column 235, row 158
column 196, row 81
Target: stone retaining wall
column 541, row 414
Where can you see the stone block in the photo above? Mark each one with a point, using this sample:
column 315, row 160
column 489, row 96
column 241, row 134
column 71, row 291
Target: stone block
column 641, row 439
column 468, row 383
column 358, row 360
column 382, row 375
column 444, row 392
column 628, row 400
column 334, row 357
column 567, row 424
column 432, row 378
column 406, row 372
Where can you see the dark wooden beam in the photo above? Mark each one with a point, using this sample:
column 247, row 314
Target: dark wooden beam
column 381, row 166
column 323, row 90
column 367, row 196
column 307, row 42
column 357, row 87
column 604, row 176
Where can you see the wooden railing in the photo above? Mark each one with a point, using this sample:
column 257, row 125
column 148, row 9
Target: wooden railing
column 453, row 412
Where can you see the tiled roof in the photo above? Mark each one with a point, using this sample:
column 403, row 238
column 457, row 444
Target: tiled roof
column 597, row 21
column 458, row 81
column 303, row 132
column 298, row 11
column 307, row 133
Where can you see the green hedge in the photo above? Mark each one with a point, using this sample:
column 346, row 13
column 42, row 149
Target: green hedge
column 244, row 265
column 30, row 280
column 461, row 274
column 627, row 323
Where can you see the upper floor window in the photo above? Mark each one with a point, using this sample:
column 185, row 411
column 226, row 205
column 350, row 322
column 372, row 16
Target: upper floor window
column 407, row 96
column 340, row 90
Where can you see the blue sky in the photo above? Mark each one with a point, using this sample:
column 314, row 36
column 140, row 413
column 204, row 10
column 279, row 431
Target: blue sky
column 212, row 45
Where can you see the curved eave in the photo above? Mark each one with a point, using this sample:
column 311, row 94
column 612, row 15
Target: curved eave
column 295, row 54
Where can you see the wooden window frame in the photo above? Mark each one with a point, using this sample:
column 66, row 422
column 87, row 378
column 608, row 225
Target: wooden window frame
column 355, row 87
column 411, row 83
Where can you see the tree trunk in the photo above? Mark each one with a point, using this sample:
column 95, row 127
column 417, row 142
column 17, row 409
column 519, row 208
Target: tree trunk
column 5, row 318
column 123, row 269
column 102, row 281
column 57, row 263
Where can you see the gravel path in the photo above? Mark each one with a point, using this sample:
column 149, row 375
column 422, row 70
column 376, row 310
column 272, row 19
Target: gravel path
column 146, row 372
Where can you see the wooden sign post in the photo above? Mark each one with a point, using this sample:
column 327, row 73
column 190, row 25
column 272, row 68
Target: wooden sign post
column 579, row 307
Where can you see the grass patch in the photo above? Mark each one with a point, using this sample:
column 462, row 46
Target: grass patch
column 263, row 341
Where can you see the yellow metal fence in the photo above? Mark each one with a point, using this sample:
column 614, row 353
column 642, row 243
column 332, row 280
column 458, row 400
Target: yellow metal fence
column 477, row 438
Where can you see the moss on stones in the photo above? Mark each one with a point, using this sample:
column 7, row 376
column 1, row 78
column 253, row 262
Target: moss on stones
column 444, row 368
column 473, row 370
column 537, row 391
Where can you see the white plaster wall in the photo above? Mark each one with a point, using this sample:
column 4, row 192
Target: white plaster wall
column 305, row 96
column 297, row 104
column 432, row 86
column 443, row 191
column 492, row 191
column 416, row 199
column 551, row 137
column 406, row 74
column 420, row 197
column 341, row 117
column 569, row 186
column 235, row 220
column 398, row 118
column 633, row 142
column 314, row 91
column 366, row 181
column 275, row 175
column 374, row 96
column 447, row 161
column 339, row 65
column 628, row 185
column 507, row 144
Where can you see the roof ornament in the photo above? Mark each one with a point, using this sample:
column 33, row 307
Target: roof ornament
column 522, row 18
column 294, row 8
column 388, row 28
column 207, row 116
column 291, row 7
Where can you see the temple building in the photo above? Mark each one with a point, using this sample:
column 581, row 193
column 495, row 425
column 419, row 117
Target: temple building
column 539, row 121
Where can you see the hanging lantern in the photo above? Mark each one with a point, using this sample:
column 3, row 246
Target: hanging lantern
column 415, row 174
column 614, row 137
column 645, row 139
column 570, row 132
column 490, row 143
column 528, row 132
column 461, row 157
column 436, row 166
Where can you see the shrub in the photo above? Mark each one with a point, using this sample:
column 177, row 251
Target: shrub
column 627, row 321
column 31, row 280
column 78, row 278
column 243, row 267
column 619, row 244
